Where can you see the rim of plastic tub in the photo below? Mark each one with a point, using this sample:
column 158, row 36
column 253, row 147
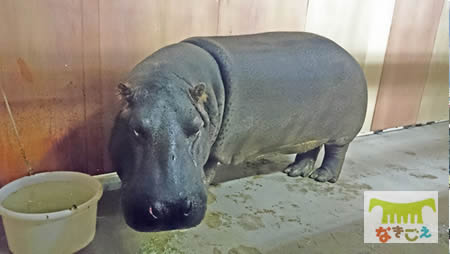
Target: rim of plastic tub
column 11, row 187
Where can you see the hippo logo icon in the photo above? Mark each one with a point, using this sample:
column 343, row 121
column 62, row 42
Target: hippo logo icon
column 400, row 217
column 402, row 210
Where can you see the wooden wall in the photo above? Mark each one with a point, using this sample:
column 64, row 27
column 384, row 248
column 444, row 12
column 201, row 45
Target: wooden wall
column 435, row 94
column 407, row 62
column 60, row 62
column 362, row 28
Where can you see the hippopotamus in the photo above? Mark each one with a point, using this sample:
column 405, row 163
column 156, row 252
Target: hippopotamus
column 205, row 101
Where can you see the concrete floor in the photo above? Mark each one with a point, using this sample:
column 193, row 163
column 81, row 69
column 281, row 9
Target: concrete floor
column 273, row 213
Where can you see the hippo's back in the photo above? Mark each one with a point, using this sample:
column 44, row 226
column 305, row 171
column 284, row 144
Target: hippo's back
column 283, row 89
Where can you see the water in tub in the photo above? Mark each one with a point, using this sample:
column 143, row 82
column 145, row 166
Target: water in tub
column 48, row 197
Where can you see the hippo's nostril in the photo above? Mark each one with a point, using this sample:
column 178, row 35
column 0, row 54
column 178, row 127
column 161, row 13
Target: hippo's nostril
column 156, row 210
column 150, row 210
column 188, row 208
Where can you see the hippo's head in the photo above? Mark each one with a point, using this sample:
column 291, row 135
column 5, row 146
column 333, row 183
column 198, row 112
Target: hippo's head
column 158, row 146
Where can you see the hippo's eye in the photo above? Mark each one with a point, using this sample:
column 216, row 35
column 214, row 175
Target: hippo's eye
column 139, row 132
column 194, row 128
column 193, row 132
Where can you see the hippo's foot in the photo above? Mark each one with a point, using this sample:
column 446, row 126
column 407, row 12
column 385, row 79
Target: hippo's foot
column 302, row 168
column 304, row 164
column 324, row 175
column 331, row 165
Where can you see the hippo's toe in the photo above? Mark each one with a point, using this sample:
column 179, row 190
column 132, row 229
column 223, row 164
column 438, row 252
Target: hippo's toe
column 302, row 168
column 323, row 175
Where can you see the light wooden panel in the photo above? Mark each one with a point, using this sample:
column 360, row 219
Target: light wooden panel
column 362, row 28
column 435, row 96
column 130, row 32
column 42, row 74
column 253, row 16
column 406, row 65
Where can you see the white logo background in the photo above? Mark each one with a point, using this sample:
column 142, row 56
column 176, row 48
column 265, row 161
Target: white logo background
column 372, row 220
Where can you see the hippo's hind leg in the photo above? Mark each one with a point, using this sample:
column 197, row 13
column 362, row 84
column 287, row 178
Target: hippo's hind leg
column 332, row 163
column 303, row 164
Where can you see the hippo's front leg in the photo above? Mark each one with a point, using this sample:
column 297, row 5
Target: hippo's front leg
column 209, row 171
column 332, row 163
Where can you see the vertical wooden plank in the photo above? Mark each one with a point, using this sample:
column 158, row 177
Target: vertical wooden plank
column 435, row 96
column 11, row 163
column 41, row 62
column 407, row 60
column 130, row 32
column 254, row 16
column 379, row 28
column 362, row 28
column 93, row 97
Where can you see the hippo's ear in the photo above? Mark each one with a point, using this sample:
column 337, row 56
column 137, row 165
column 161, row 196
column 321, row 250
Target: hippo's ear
column 199, row 97
column 198, row 93
column 124, row 91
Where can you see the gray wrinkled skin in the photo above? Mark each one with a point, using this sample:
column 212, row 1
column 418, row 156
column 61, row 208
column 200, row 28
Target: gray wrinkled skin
column 210, row 100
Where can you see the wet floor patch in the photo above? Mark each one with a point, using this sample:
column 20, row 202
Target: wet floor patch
column 240, row 197
column 242, row 249
column 216, row 220
column 250, row 222
column 423, row 176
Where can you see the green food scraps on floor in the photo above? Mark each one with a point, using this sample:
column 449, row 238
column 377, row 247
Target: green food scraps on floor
column 161, row 243
column 213, row 220
column 211, row 197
